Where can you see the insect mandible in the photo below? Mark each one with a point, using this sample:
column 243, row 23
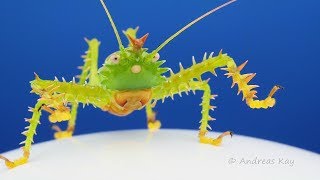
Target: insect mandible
column 132, row 79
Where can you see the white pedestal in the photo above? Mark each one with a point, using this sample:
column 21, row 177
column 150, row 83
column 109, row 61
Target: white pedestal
column 167, row 154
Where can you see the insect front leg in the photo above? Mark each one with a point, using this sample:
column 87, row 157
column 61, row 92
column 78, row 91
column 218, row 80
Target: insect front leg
column 60, row 94
column 55, row 96
column 249, row 91
column 152, row 123
column 29, row 133
column 58, row 114
column 89, row 72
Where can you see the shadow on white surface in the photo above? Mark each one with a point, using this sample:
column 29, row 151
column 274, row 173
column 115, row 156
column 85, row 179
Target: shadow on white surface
column 167, row 154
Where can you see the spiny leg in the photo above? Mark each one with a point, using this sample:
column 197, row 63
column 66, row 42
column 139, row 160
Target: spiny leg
column 152, row 123
column 182, row 82
column 62, row 93
column 249, row 94
column 176, row 82
column 55, row 96
column 29, row 133
column 89, row 71
column 206, row 107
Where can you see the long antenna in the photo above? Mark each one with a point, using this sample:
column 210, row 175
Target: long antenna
column 112, row 23
column 190, row 24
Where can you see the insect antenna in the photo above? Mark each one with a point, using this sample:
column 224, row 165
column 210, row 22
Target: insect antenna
column 112, row 24
column 190, row 24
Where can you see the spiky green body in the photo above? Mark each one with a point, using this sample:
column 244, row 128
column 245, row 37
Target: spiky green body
column 120, row 77
column 131, row 79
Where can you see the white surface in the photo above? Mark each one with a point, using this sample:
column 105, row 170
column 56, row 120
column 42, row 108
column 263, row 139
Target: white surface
column 167, row 154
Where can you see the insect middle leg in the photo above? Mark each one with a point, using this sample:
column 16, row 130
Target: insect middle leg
column 89, row 72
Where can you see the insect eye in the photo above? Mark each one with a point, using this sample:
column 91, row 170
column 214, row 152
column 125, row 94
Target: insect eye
column 114, row 58
column 156, row 57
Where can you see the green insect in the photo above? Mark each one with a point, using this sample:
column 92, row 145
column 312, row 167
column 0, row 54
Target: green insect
column 132, row 79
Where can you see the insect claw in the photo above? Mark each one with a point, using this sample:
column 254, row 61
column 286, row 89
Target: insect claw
column 279, row 87
column 231, row 133
column 23, row 142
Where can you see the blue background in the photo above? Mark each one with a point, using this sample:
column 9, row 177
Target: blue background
column 280, row 39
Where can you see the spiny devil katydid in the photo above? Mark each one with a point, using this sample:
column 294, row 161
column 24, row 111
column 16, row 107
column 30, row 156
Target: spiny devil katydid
column 132, row 79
